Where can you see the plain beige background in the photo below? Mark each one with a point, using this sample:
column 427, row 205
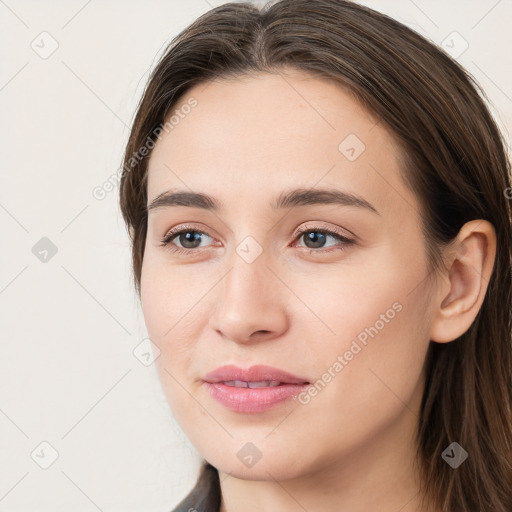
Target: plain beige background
column 84, row 425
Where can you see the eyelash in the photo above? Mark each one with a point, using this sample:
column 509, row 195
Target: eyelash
column 169, row 236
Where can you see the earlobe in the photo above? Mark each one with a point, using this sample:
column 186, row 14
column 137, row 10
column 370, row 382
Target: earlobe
column 470, row 261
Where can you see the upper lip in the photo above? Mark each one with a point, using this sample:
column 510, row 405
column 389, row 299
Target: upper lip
column 256, row 373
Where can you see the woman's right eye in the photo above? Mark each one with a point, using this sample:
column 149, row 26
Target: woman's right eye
column 187, row 237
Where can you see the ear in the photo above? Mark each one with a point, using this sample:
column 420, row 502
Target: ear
column 469, row 262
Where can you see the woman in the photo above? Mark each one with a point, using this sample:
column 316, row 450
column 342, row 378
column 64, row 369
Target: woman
column 318, row 203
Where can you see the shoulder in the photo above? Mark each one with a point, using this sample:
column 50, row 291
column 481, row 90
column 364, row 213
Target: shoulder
column 205, row 496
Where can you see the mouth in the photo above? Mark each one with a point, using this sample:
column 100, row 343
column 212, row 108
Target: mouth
column 253, row 390
column 255, row 376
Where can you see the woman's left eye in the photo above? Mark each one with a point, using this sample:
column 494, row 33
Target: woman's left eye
column 314, row 237
column 190, row 238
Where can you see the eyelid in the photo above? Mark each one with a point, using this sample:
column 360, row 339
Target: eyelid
column 343, row 233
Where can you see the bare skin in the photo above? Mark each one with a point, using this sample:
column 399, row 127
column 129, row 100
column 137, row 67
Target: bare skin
column 299, row 306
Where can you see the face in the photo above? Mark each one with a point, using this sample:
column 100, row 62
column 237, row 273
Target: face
column 329, row 288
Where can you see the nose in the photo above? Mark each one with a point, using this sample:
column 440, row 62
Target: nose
column 250, row 303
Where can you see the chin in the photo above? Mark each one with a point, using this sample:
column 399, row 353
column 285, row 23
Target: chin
column 273, row 467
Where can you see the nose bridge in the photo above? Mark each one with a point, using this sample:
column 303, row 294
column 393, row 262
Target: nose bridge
column 249, row 268
column 247, row 284
column 248, row 300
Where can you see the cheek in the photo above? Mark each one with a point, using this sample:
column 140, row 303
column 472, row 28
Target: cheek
column 374, row 309
column 374, row 359
column 168, row 326
column 377, row 294
column 169, row 296
column 174, row 301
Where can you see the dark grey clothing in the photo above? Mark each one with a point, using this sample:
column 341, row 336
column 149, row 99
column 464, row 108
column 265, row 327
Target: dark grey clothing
column 205, row 496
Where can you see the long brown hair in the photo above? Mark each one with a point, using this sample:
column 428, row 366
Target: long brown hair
column 454, row 160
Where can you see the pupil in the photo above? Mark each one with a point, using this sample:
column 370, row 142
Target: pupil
column 313, row 237
column 195, row 237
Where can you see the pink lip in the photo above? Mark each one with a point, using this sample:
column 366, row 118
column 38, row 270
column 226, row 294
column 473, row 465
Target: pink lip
column 252, row 400
column 252, row 374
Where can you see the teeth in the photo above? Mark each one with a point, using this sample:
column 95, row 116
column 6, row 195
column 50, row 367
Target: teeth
column 236, row 383
column 244, row 384
column 263, row 384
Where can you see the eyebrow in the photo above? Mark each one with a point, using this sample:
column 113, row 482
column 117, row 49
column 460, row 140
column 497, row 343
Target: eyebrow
column 292, row 198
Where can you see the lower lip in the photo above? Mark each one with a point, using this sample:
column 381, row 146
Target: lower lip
column 252, row 399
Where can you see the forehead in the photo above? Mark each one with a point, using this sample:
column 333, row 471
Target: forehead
column 265, row 132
